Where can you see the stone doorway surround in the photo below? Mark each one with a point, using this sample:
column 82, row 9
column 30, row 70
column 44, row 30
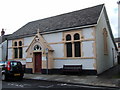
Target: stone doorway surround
column 39, row 45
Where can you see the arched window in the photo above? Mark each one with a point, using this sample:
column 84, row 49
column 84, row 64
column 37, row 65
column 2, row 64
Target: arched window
column 15, row 43
column 18, row 50
column 20, row 43
column 77, row 45
column 105, row 35
column 68, row 37
column 76, row 36
column 68, row 46
column 73, row 47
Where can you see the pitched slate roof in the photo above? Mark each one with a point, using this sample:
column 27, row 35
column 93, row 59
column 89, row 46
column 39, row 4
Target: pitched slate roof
column 88, row 16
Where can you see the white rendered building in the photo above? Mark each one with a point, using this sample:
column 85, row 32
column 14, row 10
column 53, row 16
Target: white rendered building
column 81, row 37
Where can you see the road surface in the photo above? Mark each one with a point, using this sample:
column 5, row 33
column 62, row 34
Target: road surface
column 25, row 83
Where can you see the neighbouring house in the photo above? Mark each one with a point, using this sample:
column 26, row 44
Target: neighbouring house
column 117, row 40
column 82, row 37
column 3, row 46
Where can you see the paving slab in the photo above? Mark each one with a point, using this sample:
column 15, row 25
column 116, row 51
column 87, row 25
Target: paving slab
column 105, row 79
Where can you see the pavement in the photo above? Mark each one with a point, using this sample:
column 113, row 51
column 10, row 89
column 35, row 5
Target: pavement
column 110, row 78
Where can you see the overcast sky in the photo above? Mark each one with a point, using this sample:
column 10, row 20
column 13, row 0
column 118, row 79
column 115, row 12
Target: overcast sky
column 16, row 13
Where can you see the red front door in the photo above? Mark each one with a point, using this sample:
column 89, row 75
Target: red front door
column 38, row 61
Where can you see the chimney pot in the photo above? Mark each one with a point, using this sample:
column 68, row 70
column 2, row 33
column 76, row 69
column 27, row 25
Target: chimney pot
column 2, row 32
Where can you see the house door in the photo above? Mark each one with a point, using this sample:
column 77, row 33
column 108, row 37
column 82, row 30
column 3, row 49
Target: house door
column 38, row 62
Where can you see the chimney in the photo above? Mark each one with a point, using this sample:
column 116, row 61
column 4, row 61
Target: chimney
column 2, row 32
column 118, row 2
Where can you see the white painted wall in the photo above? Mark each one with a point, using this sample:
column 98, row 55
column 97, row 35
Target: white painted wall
column 4, row 50
column 58, row 50
column 53, row 37
column 87, row 49
column 24, row 52
column 104, row 62
column 28, row 40
column 86, row 63
column 10, row 49
column 9, row 43
column 10, row 53
column 88, row 33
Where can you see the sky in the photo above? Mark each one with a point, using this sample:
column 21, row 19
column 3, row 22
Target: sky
column 16, row 13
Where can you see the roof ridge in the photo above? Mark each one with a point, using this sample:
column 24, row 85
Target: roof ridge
column 67, row 13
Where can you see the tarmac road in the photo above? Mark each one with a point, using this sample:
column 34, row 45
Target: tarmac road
column 35, row 84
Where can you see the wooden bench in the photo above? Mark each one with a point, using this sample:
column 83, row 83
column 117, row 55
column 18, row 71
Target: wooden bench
column 72, row 68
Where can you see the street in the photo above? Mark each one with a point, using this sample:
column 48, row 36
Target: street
column 32, row 84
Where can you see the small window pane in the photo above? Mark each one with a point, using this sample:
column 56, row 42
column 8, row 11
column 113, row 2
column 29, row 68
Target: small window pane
column 37, row 47
column 20, row 43
column 77, row 49
column 68, row 37
column 76, row 36
column 69, row 49
column 15, row 52
column 15, row 44
column 20, row 52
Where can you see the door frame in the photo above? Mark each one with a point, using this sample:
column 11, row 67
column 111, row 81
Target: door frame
column 34, row 62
